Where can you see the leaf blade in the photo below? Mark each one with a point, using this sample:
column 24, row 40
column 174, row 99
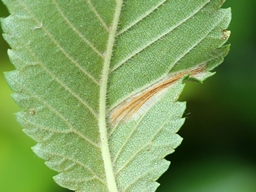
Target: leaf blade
column 67, row 98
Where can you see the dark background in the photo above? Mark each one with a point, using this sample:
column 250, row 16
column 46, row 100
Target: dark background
column 218, row 150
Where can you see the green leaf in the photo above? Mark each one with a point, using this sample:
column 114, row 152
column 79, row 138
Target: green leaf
column 98, row 82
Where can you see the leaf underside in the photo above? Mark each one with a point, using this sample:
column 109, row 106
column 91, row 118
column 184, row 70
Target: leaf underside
column 98, row 82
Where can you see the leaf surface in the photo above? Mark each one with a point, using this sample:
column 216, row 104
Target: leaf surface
column 98, row 82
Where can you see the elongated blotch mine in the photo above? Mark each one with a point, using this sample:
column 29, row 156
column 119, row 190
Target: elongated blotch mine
column 140, row 102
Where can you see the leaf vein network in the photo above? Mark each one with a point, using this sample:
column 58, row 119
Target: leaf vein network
column 76, row 31
column 97, row 15
column 78, row 163
column 135, row 22
column 143, row 147
column 40, row 63
column 159, row 37
column 54, row 110
column 137, row 178
column 73, row 61
column 127, row 139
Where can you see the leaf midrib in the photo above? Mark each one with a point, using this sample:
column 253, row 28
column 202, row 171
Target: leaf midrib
column 106, row 156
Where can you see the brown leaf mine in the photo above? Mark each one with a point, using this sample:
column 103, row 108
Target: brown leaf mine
column 140, row 102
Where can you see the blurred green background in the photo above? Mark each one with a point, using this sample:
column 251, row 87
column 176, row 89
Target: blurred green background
column 218, row 150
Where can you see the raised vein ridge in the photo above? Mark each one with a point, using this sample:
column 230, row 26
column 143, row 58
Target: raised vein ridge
column 110, row 176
